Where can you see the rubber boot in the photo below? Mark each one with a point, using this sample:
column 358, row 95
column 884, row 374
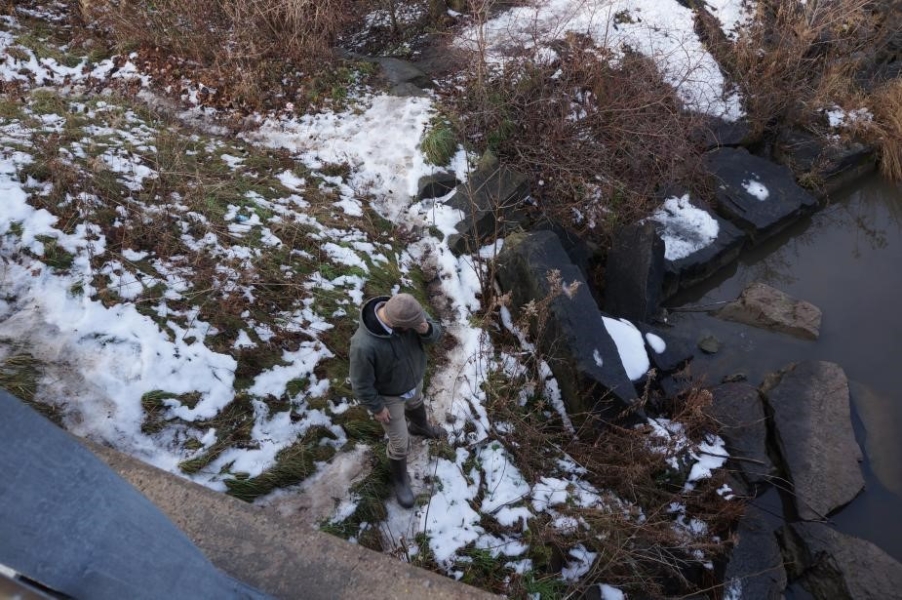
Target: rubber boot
column 401, row 481
column 418, row 424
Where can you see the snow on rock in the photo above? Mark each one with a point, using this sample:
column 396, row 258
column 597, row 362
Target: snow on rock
column 756, row 189
column 630, row 346
column 685, row 228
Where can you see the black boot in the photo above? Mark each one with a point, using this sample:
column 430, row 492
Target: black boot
column 401, row 480
column 418, row 424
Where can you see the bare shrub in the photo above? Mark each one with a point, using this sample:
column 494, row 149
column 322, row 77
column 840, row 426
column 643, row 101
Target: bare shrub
column 600, row 137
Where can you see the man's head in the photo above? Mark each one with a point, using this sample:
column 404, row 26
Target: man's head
column 402, row 311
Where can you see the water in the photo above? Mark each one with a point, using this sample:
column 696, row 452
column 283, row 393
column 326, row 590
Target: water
column 847, row 260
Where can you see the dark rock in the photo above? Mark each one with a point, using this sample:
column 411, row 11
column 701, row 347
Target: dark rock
column 73, row 525
column 739, row 174
column 709, row 344
column 762, row 306
column 436, row 185
column 634, row 274
column 491, row 203
column 809, row 402
column 688, row 270
column 581, row 353
column 834, row 566
column 718, row 133
column 755, row 567
column 676, row 352
column 828, row 165
column 737, row 407
column 580, row 252
column 676, row 384
column 399, row 72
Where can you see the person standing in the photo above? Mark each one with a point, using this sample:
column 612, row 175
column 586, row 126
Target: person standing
column 387, row 365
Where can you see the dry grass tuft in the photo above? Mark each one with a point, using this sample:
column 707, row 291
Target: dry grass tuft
column 887, row 108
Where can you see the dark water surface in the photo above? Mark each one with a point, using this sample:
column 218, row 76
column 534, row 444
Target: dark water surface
column 847, row 260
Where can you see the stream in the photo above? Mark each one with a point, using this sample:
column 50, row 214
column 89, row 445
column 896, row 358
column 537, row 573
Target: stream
column 846, row 259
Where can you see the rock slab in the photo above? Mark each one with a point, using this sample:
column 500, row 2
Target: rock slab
column 761, row 305
column 490, row 203
column 759, row 195
column 635, row 273
column 755, row 569
column 581, row 353
column 739, row 410
column 813, row 431
column 834, row 566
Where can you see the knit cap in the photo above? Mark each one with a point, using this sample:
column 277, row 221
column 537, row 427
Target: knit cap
column 403, row 310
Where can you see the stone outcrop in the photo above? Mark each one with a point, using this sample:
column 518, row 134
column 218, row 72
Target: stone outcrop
column 634, row 275
column 406, row 79
column 834, row 566
column 762, row 306
column 755, row 568
column 581, row 353
column 757, row 194
column 737, row 407
column 809, row 402
column 491, row 204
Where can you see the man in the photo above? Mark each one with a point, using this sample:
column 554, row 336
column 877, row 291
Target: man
column 388, row 361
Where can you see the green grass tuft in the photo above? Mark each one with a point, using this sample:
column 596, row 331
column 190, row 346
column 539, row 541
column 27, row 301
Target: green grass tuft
column 440, row 144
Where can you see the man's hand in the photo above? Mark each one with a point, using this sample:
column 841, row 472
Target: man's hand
column 383, row 416
column 423, row 328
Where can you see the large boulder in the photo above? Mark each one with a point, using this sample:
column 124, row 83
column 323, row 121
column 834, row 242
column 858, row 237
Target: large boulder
column 755, row 567
column 572, row 336
column 635, row 273
column 809, row 402
column 760, row 305
column 759, row 195
column 737, row 407
column 491, row 202
column 834, row 566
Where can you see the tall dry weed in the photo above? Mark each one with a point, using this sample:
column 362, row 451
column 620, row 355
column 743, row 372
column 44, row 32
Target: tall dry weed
column 798, row 57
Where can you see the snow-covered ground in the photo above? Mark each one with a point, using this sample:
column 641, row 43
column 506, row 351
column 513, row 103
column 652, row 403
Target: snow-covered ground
column 102, row 358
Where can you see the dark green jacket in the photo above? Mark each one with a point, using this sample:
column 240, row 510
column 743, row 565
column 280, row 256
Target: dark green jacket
column 383, row 364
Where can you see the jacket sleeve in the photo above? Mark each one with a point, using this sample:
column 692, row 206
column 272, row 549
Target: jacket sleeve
column 434, row 333
column 363, row 379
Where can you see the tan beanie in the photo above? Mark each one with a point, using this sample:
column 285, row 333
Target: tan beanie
column 403, row 310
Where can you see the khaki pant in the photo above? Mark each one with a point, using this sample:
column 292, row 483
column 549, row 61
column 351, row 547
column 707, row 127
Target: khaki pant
column 396, row 429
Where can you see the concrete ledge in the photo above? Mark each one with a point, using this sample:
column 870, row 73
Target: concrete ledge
column 273, row 554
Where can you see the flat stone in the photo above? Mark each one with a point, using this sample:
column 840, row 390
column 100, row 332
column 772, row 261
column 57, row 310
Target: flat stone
column 400, row 72
column 809, row 402
column 581, row 353
column 755, row 566
column 634, row 275
column 835, row 566
column 757, row 194
column 761, row 305
column 738, row 408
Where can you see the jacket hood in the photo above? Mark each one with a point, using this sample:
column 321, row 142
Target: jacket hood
column 369, row 322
